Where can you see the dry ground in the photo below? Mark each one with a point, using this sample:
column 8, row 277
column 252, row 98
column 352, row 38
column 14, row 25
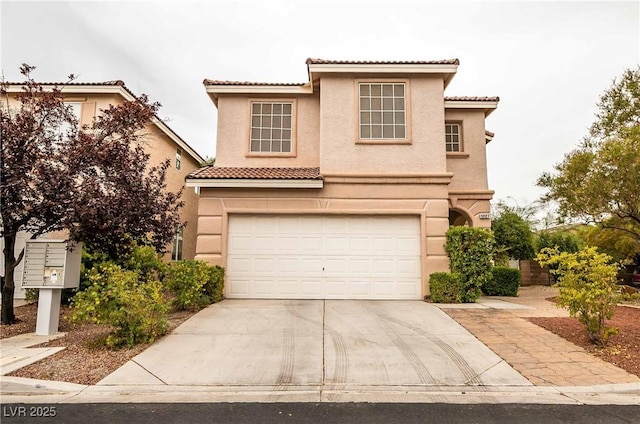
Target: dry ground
column 623, row 350
column 85, row 359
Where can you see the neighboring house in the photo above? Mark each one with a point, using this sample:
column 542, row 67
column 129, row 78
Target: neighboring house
column 342, row 187
column 87, row 99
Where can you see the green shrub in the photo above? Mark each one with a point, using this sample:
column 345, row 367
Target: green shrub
column 135, row 309
column 446, row 287
column 587, row 287
column 215, row 284
column 142, row 259
column 564, row 241
column 146, row 262
column 471, row 251
column 504, row 282
column 194, row 284
column 31, row 295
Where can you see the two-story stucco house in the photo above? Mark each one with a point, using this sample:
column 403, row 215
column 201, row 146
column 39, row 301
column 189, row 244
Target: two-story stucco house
column 342, row 187
column 161, row 143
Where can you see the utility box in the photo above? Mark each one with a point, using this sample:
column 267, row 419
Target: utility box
column 48, row 264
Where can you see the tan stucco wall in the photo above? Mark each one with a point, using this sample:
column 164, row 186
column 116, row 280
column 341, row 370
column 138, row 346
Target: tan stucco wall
column 468, row 191
column 469, row 172
column 160, row 147
column 339, row 152
column 233, row 134
column 408, row 177
column 428, row 201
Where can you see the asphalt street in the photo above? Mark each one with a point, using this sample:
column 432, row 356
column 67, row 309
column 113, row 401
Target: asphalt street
column 352, row 413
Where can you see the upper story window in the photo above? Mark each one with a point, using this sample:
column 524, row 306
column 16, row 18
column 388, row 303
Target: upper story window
column 453, row 137
column 271, row 127
column 76, row 111
column 178, row 158
column 383, row 114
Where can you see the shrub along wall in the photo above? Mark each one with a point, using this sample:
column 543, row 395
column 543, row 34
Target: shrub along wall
column 134, row 295
column 471, row 251
column 504, row 282
column 446, row 287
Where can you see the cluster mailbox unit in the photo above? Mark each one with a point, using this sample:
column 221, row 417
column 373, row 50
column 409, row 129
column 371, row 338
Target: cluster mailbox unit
column 50, row 266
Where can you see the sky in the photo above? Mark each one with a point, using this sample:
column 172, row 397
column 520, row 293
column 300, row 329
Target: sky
column 548, row 61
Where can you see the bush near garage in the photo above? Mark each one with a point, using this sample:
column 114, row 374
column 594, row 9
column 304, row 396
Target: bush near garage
column 135, row 309
column 194, row 284
column 446, row 287
column 471, row 251
column 504, row 282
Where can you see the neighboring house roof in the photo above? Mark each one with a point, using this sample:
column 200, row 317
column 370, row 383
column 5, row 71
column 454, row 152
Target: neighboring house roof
column 113, row 87
column 226, row 177
column 219, row 172
column 314, row 61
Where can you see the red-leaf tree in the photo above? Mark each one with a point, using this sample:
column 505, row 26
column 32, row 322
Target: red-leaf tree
column 95, row 181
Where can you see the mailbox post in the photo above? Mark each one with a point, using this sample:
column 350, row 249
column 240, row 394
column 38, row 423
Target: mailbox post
column 50, row 267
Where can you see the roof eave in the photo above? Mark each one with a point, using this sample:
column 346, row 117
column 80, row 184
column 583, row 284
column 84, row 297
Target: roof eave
column 253, row 183
column 448, row 70
column 487, row 106
column 214, row 91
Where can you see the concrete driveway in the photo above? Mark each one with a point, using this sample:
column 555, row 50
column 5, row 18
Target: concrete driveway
column 331, row 344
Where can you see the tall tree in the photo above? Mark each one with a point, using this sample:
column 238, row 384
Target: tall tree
column 513, row 235
column 94, row 182
column 599, row 182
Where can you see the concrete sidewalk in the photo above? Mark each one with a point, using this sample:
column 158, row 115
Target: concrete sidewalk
column 552, row 370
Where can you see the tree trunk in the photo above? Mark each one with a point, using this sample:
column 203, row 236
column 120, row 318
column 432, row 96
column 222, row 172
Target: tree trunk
column 8, row 287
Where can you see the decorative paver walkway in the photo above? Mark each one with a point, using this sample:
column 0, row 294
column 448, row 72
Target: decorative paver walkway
column 542, row 357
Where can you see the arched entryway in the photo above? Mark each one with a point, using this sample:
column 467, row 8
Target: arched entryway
column 458, row 218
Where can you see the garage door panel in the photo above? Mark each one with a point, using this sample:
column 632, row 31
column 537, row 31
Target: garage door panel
column 310, row 244
column 310, row 288
column 324, row 257
column 407, row 244
column 407, row 266
column 408, row 288
column 238, row 264
column 384, row 289
column 359, row 244
column 286, row 288
column 383, row 246
column 264, row 265
column 239, row 288
column 239, row 243
column 287, row 265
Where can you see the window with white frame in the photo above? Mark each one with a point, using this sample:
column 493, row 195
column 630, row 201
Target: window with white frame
column 383, row 113
column 453, row 137
column 178, row 158
column 271, row 127
column 176, row 250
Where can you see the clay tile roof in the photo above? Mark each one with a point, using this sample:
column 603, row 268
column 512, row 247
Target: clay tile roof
column 208, row 82
column 220, row 172
column 489, row 133
column 63, row 84
column 472, row 99
column 313, row 61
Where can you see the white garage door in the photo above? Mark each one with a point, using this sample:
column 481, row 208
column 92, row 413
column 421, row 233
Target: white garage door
column 323, row 257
